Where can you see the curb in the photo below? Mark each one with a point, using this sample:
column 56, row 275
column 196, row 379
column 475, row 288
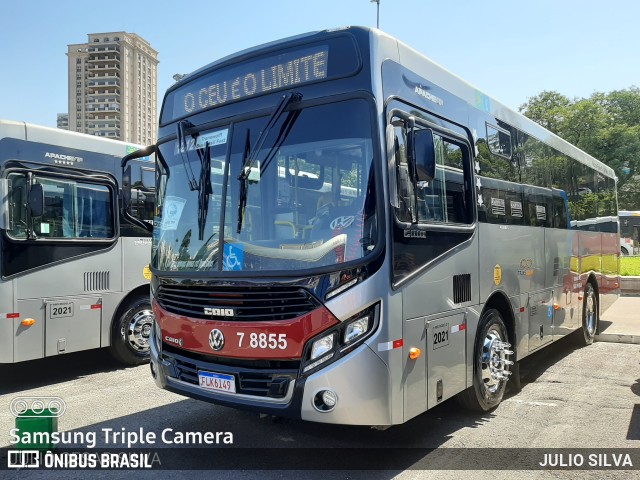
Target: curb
column 618, row 338
column 629, row 286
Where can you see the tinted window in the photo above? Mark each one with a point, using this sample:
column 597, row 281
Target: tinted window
column 441, row 199
column 72, row 210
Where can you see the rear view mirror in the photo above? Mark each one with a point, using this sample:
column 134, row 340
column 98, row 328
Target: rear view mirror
column 126, row 187
column 424, row 155
column 36, row 200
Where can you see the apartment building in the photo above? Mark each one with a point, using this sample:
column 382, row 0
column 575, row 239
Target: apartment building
column 62, row 121
column 113, row 87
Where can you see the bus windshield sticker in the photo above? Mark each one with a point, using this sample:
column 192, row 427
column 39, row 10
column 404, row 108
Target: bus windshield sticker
column 214, row 138
column 44, row 228
column 233, row 257
column 172, row 212
column 219, row 137
column 541, row 212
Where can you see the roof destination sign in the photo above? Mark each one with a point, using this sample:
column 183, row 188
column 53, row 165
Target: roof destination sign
column 253, row 78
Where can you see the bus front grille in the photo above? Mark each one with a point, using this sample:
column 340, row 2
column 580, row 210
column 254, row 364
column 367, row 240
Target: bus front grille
column 236, row 303
column 257, row 382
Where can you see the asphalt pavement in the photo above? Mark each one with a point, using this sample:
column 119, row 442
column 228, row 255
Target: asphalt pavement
column 571, row 398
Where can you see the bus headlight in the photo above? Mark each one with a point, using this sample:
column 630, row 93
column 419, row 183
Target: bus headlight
column 356, row 329
column 340, row 340
column 322, row 346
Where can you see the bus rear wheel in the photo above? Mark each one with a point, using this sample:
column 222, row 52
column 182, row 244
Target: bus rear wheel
column 589, row 316
column 131, row 332
column 490, row 364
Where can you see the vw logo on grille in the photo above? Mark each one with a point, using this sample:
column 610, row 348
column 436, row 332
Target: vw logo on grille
column 216, row 339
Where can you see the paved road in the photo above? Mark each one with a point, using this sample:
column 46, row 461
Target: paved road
column 573, row 398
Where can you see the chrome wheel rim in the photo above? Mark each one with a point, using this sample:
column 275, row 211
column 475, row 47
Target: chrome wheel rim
column 494, row 360
column 590, row 312
column 139, row 330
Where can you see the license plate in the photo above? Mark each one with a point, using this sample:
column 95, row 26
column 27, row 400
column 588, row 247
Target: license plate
column 60, row 309
column 218, row 382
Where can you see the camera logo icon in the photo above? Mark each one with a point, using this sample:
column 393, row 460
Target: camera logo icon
column 29, row 407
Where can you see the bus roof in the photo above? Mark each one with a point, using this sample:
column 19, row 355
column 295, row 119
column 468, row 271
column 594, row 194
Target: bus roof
column 384, row 47
column 428, row 69
column 64, row 138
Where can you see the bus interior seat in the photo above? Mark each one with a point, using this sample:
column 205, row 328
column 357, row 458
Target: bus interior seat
column 285, row 228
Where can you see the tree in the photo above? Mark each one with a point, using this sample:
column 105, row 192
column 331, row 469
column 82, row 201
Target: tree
column 605, row 125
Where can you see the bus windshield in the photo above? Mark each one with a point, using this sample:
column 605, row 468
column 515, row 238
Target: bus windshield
column 305, row 199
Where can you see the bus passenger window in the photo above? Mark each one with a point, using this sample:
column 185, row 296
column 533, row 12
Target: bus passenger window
column 71, row 210
column 442, row 199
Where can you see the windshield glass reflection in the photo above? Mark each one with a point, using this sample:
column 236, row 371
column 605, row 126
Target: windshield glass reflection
column 309, row 197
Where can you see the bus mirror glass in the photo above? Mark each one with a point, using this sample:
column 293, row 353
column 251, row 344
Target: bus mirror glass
column 126, row 188
column 424, row 155
column 36, row 200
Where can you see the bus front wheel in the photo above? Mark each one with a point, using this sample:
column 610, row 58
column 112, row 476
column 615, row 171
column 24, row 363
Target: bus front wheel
column 131, row 332
column 490, row 364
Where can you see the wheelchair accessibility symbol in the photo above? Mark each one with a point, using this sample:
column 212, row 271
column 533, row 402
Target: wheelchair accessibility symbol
column 233, row 257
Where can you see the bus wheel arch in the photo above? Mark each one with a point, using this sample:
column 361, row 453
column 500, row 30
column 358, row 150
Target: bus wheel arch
column 493, row 356
column 131, row 327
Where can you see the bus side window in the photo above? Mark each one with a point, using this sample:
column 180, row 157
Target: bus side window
column 75, row 210
column 442, row 199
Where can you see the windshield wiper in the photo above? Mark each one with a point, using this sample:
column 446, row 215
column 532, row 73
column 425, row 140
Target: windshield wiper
column 183, row 148
column 243, row 182
column 250, row 158
column 203, row 186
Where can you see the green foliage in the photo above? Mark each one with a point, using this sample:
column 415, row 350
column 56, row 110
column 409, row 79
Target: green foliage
column 605, row 125
column 630, row 266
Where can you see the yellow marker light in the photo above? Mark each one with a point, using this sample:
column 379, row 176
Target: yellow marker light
column 27, row 322
column 414, row 353
column 580, row 297
column 556, row 306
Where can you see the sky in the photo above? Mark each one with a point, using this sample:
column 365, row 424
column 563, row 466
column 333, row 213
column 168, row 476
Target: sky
column 509, row 49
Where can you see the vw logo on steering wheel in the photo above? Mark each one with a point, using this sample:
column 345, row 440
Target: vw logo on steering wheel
column 341, row 223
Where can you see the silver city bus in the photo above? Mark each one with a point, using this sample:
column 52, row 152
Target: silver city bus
column 74, row 273
column 345, row 232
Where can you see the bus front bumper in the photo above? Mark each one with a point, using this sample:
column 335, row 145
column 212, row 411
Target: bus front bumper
column 359, row 382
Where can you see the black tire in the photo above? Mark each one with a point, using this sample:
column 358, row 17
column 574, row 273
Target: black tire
column 589, row 316
column 131, row 332
column 487, row 390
